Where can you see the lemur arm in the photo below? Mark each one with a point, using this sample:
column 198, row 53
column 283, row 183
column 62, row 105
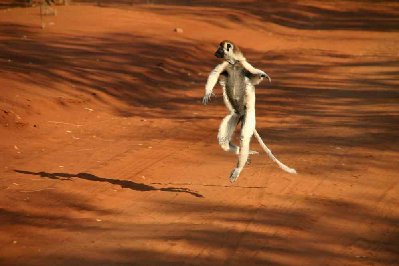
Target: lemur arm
column 253, row 70
column 212, row 80
column 254, row 79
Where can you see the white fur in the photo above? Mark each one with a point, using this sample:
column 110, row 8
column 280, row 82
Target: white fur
column 251, row 69
column 259, row 73
column 229, row 122
column 214, row 77
column 228, row 126
column 226, row 131
column 270, row 154
column 246, row 131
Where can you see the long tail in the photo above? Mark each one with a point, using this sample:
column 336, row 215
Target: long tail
column 271, row 156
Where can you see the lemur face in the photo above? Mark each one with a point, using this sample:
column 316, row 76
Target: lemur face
column 225, row 50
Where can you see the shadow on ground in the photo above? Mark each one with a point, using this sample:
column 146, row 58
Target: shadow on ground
column 321, row 230
column 357, row 95
column 123, row 183
column 308, row 15
column 308, row 85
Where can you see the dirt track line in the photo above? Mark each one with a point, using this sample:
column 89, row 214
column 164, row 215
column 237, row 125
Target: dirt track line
column 65, row 123
column 386, row 192
column 142, row 164
column 206, row 185
column 124, row 171
column 127, row 153
column 255, row 213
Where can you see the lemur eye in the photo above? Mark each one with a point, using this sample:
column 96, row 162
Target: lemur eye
column 228, row 46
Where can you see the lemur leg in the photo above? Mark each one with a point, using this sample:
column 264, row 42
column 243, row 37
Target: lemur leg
column 228, row 124
column 246, row 132
column 236, row 150
column 226, row 131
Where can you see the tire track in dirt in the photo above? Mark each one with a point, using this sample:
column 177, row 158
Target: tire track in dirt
column 231, row 255
column 123, row 169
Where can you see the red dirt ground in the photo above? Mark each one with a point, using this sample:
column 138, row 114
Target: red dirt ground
column 108, row 156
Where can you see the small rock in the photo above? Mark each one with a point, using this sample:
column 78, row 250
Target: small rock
column 178, row 30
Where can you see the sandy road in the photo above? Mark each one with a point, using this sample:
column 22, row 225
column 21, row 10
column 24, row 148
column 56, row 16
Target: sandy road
column 108, row 157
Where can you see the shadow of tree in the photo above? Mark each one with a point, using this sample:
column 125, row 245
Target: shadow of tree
column 308, row 15
column 356, row 93
column 320, row 232
column 111, row 64
column 333, row 93
column 308, row 85
column 123, row 183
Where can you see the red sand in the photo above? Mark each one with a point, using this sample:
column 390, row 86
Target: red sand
column 108, row 156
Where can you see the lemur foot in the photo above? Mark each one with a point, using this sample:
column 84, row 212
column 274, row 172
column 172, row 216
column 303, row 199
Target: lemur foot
column 249, row 161
column 234, row 175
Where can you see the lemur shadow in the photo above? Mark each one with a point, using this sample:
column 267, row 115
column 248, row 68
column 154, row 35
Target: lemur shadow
column 123, row 183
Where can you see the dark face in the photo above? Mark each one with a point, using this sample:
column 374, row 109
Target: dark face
column 223, row 49
column 219, row 52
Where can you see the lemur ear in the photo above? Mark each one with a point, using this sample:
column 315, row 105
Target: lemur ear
column 228, row 46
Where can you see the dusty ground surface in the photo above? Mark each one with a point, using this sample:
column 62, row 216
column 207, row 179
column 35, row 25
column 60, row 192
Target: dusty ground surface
column 108, row 157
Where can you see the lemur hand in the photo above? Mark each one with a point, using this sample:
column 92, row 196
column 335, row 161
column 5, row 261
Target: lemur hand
column 207, row 98
column 263, row 75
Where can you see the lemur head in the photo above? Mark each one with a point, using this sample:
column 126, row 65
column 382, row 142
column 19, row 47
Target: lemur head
column 229, row 51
